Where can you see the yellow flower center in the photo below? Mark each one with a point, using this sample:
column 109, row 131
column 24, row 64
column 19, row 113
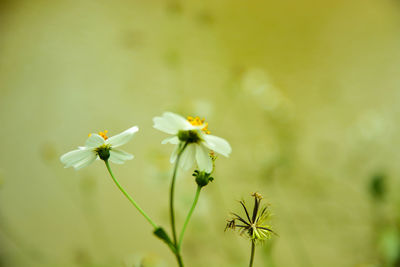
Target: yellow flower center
column 102, row 134
column 196, row 121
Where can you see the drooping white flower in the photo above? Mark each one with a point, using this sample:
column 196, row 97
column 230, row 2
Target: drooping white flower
column 100, row 146
column 194, row 132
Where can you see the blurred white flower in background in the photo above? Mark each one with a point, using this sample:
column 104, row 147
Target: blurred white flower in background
column 140, row 259
column 100, row 146
column 373, row 124
column 205, row 107
column 257, row 83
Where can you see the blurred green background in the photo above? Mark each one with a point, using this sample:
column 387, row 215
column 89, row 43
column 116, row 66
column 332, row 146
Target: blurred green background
column 307, row 93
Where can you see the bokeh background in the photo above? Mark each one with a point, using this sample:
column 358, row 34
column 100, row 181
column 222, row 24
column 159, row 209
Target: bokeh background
column 307, row 93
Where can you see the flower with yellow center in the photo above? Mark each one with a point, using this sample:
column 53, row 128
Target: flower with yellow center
column 100, row 146
column 193, row 132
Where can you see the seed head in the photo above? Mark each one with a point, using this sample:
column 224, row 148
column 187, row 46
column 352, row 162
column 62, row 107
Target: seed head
column 253, row 225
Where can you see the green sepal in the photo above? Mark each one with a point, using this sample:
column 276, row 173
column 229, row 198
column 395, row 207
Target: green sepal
column 202, row 178
column 160, row 233
column 190, row 136
column 103, row 152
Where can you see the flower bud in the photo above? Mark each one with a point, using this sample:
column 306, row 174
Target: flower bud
column 202, row 178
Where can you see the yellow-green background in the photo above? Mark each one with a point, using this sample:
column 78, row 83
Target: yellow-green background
column 306, row 92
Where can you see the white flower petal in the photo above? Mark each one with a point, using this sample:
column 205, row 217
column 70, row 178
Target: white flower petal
column 173, row 140
column 203, row 158
column 162, row 124
column 174, row 154
column 94, row 141
column 177, row 121
column 217, row 144
column 188, row 157
column 122, row 138
column 118, row 156
column 72, row 157
column 171, row 123
column 85, row 162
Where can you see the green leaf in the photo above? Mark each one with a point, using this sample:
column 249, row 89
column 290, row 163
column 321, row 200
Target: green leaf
column 160, row 233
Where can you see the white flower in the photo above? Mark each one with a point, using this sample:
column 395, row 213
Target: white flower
column 100, row 146
column 194, row 132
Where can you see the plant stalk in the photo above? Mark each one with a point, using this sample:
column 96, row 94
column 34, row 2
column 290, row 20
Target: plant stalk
column 253, row 248
column 196, row 198
column 171, row 204
column 129, row 197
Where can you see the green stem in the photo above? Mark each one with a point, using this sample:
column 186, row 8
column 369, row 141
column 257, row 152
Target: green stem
column 172, row 192
column 171, row 202
column 253, row 246
column 179, row 258
column 196, row 198
column 129, row 197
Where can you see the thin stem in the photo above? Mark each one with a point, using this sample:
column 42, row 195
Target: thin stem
column 253, row 246
column 171, row 196
column 129, row 197
column 196, row 198
column 179, row 258
column 171, row 203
